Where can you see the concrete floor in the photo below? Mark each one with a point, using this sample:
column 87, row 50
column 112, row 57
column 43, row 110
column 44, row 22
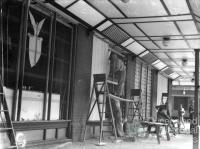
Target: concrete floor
column 180, row 141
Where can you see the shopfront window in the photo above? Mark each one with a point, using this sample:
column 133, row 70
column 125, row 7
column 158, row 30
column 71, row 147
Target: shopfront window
column 61, row 71
column 35, row 69
column 11, row 30
column 46, row 70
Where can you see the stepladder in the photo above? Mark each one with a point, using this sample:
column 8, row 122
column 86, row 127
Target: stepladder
column 100, row 98
column 134, row 108
column 7, row 133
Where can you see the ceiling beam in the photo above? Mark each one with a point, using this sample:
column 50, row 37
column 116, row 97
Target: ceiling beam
column 154, row 21
column 151, row 17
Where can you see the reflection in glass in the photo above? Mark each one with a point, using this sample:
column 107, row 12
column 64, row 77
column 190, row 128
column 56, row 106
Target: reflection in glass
column 11, row 31
column 35, row 66
column 61, row 72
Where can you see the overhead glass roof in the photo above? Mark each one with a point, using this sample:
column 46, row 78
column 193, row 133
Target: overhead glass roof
column 168, row 30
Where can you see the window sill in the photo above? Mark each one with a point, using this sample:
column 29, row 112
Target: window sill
column 38, row 125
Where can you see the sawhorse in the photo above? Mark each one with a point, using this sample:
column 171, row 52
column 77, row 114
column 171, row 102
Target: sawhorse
column 157, row 126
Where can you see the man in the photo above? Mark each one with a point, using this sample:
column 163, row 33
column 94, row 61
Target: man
column 118, row 68
column 181, row 114
column 191, row 117
column 163, row 115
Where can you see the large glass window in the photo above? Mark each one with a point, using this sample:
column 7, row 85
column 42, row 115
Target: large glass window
column 46, row 71
column 11, row 31
column 61, row 71
column 35, row 69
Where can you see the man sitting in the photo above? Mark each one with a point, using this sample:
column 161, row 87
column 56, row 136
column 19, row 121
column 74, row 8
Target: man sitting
column 164, row 116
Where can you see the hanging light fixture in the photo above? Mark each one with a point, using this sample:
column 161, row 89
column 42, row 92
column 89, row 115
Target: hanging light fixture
column 184, row 91
column 165, row 41
column 184, row 61
column 125, row 1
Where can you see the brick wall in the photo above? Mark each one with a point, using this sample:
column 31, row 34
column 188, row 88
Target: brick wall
column 139, row 77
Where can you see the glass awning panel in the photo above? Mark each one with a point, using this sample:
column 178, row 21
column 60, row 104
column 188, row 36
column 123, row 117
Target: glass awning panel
column 104, row 26
column 133, row 8
column 85, row 12
column 136, row 48
column 177, row 6
column 64, row 3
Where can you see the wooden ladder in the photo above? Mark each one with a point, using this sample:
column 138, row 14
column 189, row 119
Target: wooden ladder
column 134, row 108
column 100, row 88
column 6, row 123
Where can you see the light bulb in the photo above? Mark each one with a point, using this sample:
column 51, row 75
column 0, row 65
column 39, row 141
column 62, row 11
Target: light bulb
column 183, row 91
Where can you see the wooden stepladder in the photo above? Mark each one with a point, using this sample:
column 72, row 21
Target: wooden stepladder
column 134, row 108
column 100, row 88
column 5, row 122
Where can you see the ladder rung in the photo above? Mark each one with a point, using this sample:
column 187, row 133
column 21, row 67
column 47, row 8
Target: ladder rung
column 5, row 129
column 1, row 93
column 12, row 146
column 107, row 130
column 102, row 92
column 3, row 110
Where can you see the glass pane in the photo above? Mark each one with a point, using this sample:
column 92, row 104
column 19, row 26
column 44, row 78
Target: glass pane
column 11, row 33
column 173, row 44
column 28, row 111
column 106, row 7
column 181, row 55
column 149, row 44
column 177, row 6
column 174, row 75
column 187, row 27
column 35, row 66
column 136, row 48
column 189, row 69
column 175, row 82
column 195, row 44
column 160, row 65
column 104, row 26
column 131, row 29
column 195, row 4
column 64, row 3
column 144, row 53
column 165, row 69
column 159, row 28
column 127, row 42
column 177, row 69
column 161, row 55
column 149, row 58
column 170, row 63
column 187, row 83
column 157, row 61
column 135, row 8
column 61, row 72
column 88, row 14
